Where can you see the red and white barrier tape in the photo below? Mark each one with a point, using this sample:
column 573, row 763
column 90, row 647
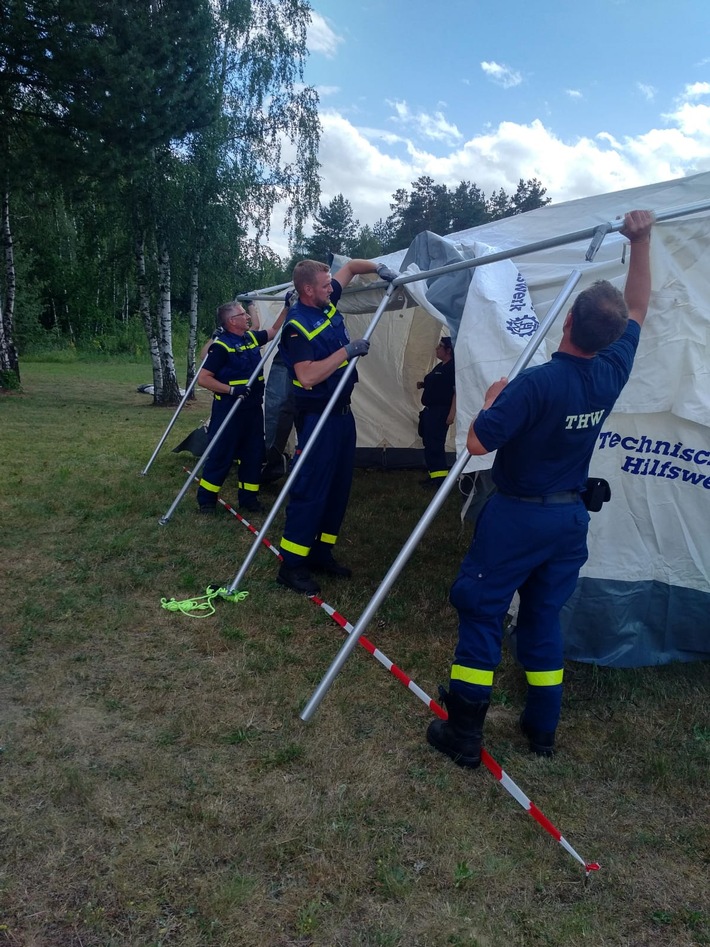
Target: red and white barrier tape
column 491, row 765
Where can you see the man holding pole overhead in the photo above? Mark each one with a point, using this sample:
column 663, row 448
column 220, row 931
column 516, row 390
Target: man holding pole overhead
column 531, row 536
column 316, row 349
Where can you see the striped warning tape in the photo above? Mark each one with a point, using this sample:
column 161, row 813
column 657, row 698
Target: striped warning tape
column 491, row 765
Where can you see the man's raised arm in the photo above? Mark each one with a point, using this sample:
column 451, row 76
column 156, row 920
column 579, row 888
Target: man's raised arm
column 637, row 292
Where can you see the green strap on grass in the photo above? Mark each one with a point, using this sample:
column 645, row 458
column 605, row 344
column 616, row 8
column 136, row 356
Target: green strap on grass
column 192, row 607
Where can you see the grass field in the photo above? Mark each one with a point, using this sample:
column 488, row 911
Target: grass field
column 159, row 787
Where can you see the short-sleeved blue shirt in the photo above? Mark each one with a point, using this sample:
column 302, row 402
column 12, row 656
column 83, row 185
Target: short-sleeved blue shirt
column 545, row 423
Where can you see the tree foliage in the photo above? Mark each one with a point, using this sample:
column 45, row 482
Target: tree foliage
column 156, row 139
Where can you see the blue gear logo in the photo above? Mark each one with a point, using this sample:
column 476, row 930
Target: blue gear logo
column 523, row 326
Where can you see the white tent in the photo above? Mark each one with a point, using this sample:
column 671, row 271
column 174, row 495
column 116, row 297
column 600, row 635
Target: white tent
column 644, row 595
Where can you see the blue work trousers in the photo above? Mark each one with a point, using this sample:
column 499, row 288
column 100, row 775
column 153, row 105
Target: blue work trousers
column 242, row 440
column 320, row 493
column 433, row 430
column 538, row 550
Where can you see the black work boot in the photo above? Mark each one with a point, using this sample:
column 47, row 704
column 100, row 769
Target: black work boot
column 460, row 736
column 541, row 742
column 326, row 562
column 297, row 578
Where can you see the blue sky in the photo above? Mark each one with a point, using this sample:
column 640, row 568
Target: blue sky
column 587, row 97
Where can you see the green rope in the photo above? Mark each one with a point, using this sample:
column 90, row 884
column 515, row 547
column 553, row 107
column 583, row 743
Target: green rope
column 203, row 603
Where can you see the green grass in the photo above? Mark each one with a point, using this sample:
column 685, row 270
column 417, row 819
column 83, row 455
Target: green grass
column 159, row 787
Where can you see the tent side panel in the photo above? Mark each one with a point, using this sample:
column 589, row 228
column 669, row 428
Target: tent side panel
column 635, row 624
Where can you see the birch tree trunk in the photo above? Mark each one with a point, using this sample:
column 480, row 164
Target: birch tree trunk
column 9, row 362
column 192, row 338
column 144, row 308
column 171, row 389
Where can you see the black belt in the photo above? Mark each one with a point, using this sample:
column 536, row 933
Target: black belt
column 565, row 496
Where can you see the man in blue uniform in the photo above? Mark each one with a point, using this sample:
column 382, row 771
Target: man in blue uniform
column 231, row 360
column 531, row 535
column 438, row 412
column 316, row 349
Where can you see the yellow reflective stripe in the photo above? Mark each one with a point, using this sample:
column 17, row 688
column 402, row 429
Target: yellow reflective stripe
column 471, row 675
column 342, row 364
column 253, row 487
column 224, row 345
column 544, row 678
column 243, row 381
column 297, row 550
column 434, row 474
column 212, row 487
column 315, row 332
column 297, row 383
column 328, row 538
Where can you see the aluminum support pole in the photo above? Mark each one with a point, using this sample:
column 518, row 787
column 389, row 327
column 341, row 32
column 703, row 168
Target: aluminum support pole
column 573, row 237
column 235, row 407
column 234, row 584
column 174, row 418
column 429, row 514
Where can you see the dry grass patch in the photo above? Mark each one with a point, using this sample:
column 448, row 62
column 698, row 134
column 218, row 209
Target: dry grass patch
column 159, row 787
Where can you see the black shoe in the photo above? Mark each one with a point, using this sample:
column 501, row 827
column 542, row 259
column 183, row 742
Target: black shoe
column 461, row 736
column 208, row 509
column 541, row 742
column 251, row 506
column 329, row 566
column 431, row 483
column 298, row 578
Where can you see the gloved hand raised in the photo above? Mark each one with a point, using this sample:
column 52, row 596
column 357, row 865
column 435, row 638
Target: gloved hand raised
column 357, row 347
column 385, row 273
column 290, row 298
column 240, row 391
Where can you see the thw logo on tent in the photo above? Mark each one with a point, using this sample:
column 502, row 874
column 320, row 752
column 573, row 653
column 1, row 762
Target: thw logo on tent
column 522, row 325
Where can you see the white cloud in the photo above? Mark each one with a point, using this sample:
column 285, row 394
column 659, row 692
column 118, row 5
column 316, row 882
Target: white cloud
column 321, row 37
column 695, row 91
column 502, row 75
column 367, row 165
column 574, row 93
column 434, row 127
column 325, row 90
column 647, row 91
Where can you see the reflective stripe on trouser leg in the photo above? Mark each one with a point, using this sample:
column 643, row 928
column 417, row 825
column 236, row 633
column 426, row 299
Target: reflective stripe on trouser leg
column 544, row 699
column 293, row 549
column 473, row 683
column 251, row 451
column 433, row 432
column 221, row 455
column 319, row 495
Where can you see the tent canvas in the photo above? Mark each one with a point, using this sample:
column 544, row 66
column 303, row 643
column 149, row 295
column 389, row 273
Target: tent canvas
column 644, row 595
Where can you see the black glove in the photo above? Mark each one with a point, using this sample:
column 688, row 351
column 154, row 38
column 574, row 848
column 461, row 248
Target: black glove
column 385, row 273
column 290, row 298
column 240, row 391
column 358, row 347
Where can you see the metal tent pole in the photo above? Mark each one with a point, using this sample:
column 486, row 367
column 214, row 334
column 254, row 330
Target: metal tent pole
column 429, row 514
column 590, row 233
column 234, row 584
column 235, row 407
column 174, row 418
